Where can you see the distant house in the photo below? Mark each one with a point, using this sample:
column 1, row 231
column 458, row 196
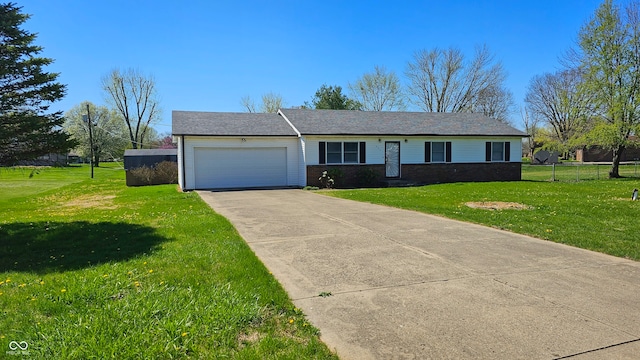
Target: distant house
column 51, row 159
column 598, row 154
column 293, row 147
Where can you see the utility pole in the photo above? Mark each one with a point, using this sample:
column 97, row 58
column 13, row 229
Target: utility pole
column 87, row 118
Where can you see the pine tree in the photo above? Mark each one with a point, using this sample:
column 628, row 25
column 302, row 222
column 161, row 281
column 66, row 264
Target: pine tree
column 27, row 129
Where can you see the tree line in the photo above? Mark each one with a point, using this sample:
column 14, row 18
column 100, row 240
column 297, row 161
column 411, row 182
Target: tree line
column 438, row 80
column 29, row 130
column 594, row 99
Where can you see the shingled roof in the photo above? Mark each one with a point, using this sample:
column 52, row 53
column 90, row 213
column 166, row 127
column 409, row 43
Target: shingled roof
column 338, row 122
column 350, row 122
column 229, row 124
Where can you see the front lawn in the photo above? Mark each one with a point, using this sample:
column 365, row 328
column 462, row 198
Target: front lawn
column 93, row 269
column 595, row 215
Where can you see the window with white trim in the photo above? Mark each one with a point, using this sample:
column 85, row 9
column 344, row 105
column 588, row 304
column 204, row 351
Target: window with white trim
column 342, row 152
column 334, row 152
column 437, row 151
column 347, row 152
column 497, row 151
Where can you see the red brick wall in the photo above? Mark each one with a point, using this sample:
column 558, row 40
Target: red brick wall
column 356, row 175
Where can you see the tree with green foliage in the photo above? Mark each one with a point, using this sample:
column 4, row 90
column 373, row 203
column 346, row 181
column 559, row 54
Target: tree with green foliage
column 108, row 131
column 378, row 91
column 609, row 54
column 331, row 97
column 27, row 128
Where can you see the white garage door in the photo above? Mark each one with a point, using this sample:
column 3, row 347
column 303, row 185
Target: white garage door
column 240, row 167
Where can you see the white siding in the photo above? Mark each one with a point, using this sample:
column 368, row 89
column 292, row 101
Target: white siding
column 463, row 149
column 290, row 146
column 179, row 140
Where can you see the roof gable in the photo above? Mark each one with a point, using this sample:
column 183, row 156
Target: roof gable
column 353, row 122
column 229, row 124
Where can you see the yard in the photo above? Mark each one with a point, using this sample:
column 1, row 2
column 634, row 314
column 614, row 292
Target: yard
column 93, row 269
column 595, row 214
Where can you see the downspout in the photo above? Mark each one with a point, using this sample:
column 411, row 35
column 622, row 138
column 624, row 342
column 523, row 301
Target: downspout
column 184, row 183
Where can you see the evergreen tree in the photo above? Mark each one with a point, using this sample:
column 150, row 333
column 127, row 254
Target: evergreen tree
column 331, row 97
column 27, row 129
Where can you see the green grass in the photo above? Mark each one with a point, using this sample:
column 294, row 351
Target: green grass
column 595, row 215
column 576, row 172
column 93, row 269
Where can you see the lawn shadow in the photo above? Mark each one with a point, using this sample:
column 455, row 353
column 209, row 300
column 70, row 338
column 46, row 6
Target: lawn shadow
column 45, row 247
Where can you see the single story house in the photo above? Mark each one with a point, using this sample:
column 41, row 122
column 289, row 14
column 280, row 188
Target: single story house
column 293, row 147
column 598, row 154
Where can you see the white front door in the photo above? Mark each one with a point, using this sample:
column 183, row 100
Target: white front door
column 392, row 159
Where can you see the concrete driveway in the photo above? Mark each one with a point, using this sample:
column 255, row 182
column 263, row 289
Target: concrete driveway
column 405, row 285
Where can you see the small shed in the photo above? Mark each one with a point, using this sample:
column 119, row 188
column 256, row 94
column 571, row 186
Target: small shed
column 140, row 166
column 135, row 158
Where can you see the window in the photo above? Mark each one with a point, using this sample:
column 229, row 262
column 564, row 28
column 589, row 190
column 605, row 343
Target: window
column 334, row 153
column 498, row 151
column 351, row 152
column 342, row 152
column 437, row 151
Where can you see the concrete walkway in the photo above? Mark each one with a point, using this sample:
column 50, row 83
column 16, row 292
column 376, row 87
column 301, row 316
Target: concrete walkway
column 405, row 285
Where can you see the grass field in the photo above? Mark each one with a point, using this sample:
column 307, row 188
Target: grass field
column 597, row 215
column 93, row 269
column 573, row 172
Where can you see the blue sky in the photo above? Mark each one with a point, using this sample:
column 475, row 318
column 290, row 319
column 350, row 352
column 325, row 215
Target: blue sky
column 207, row 55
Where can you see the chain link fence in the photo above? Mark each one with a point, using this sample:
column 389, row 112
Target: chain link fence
column 577, row 171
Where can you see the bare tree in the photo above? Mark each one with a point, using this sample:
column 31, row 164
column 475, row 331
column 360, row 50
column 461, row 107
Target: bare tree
column 442, row 81
column 557, row 100
column 494, row 102
column 378, row 91
column 531, row 127
column 248, row 103
column 134, row 96
column 271, row 102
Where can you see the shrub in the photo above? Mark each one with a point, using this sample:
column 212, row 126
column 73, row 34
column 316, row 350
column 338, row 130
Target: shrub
column 143, row 174
column 366, row 177
column 336, row 174
column 166, row 172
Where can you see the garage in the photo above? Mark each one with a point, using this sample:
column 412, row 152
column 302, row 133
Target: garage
column 242, row 167
column 237, row 150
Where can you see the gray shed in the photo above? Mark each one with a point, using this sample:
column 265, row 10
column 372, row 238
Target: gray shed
column 135, row 161
column 135, row 158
